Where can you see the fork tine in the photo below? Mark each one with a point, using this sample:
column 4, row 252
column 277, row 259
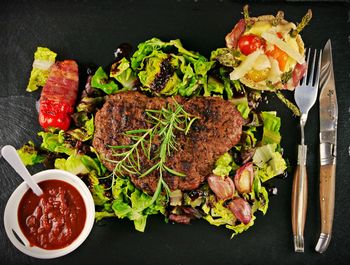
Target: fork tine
column 318, row 70
column 312, row 73
column 307, row 67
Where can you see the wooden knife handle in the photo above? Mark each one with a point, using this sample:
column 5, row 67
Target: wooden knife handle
column 299, row 206
column 327, row 192
column 327, row 195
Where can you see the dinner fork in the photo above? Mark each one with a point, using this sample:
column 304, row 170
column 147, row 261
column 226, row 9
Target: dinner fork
column 305, row 96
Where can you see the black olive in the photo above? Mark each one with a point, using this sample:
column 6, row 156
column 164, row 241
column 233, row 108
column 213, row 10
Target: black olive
column 91, row 69
column 123, row 50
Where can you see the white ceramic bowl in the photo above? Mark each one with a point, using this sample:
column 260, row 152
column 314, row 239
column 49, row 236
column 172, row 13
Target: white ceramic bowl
column 11, row 217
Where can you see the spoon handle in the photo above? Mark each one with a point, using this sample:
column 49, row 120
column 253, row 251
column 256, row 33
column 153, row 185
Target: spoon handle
column 11, row 156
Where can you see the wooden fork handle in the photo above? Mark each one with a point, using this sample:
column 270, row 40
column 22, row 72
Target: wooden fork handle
column 299, row 200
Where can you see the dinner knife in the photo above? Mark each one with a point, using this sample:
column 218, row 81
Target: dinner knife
column 328, row 147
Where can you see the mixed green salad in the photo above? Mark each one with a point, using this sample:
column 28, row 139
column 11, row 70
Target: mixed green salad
column 243, row 171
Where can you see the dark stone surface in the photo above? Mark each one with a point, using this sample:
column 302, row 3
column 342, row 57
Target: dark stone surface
column 89, row 31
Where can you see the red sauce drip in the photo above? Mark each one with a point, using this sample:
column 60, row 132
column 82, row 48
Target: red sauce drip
column 56, row 218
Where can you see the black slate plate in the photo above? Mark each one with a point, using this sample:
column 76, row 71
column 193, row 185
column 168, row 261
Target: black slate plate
column 89, row 32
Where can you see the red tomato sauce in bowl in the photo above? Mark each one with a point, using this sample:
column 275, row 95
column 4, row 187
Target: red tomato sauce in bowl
column 56, row 218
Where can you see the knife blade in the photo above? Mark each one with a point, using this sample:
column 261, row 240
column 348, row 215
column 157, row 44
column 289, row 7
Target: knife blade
column 328, row 147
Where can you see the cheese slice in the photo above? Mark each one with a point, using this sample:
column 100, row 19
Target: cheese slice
column 259, row 27
column 262, row 62
column 246, row 65
column 275, row 73
column 284, row 29
column 283, row 46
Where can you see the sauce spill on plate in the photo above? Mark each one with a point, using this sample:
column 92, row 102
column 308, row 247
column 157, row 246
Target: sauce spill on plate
column 56, row 218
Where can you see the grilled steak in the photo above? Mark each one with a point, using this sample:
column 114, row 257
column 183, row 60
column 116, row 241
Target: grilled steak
column 217, row 131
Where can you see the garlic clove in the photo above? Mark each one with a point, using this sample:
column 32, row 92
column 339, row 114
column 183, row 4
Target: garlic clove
column 222, row 187
column 244, row 178
column 241, row 209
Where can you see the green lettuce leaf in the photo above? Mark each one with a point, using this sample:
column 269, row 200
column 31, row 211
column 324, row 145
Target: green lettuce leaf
column 91, row 168
column 100, row 80
column 167, row 68
column 98, row 191
column 44, row 58
column 86, row 129
column 263, row 200
column 151, row 68
column 240, row 228
column 224, row 74
column 73, row 164
column 263, row 154
column 222, row 165
column 29, row 154
column 99, row 215
column 214, row 86
column 81, row 164
column 260, row 196
column 160, row 64
column 124, row 74
column 226, row 57
column 271, row 131
column 249, row 138
column 243, row 107
column 55, row 142
column 269, row 162
column 89, row 104
column 134, row 204
column 217, row 214
column 144, row 49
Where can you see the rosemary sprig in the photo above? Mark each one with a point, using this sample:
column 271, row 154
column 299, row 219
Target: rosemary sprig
column 165, row 122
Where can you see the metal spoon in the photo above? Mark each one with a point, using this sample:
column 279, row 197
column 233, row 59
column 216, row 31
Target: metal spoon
column 11, row 156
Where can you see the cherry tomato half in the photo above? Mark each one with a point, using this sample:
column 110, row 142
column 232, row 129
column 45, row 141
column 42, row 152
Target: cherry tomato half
column 250, row 43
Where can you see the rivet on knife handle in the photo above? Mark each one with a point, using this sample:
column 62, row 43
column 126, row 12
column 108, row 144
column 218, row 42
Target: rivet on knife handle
column 299, row 200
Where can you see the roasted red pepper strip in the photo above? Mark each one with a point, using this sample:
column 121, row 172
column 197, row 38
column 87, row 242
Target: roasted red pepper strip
column 59, row 95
